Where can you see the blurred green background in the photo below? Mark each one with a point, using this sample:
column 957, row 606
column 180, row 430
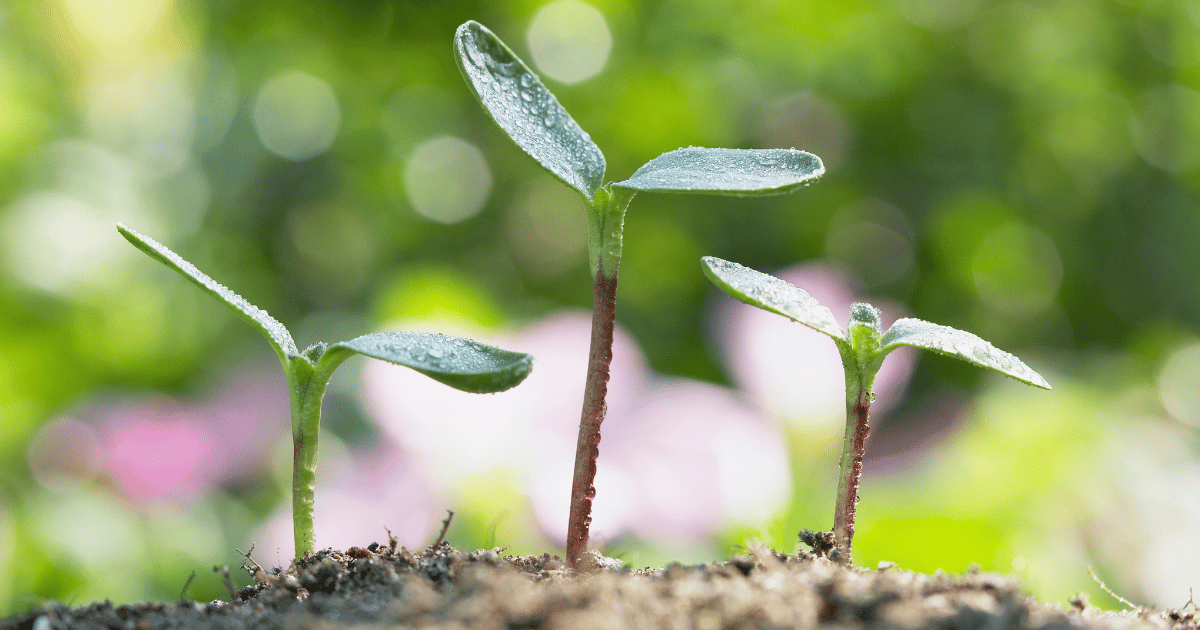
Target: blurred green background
column 1025, row 170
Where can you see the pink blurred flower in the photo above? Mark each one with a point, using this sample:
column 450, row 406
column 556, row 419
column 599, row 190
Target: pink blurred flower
column 157, row 450
column 453, row 434
column 689, row 460
column 679, row 459
column 157, row 454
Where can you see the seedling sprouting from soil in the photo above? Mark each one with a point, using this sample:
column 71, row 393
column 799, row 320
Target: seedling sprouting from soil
column 460, row 363
column 863, row 348
column 532, row 117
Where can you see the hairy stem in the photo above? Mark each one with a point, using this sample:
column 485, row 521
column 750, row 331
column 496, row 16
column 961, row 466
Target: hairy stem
column 587, row 448
column 858, row 409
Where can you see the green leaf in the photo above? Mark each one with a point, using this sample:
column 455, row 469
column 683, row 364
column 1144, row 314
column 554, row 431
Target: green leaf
column 742, row 172
column 960, row 344
column 516, row 99
column 772, row 294
column 267, row 325
column 460, row 363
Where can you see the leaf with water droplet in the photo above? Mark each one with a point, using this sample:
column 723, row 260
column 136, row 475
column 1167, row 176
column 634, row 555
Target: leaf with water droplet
column 960, row 344
column 516, row 99
column 274, row 331
column 741, row 172
column 771, row 294
column 460, row 363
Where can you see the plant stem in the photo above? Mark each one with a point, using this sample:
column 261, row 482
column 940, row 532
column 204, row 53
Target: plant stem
column 587, row 448
column 858, row 409
column 306, row 389
column 606, row 222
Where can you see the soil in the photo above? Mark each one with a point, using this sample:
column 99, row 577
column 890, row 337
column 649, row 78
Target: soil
column 443, row 588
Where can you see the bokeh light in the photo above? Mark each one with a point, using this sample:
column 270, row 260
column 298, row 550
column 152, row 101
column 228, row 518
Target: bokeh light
column 1179, row 384
column 1165, row 127
column 74, row 230
column 569, row 41
column 116, row 25
column 875, row 239
column 547, row 228
column 149, row 116
column 809, row 122
column 1017, row 270
column 296, row 115
column 447, row 179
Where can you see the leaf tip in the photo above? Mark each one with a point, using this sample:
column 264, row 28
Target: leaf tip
column 463, row 31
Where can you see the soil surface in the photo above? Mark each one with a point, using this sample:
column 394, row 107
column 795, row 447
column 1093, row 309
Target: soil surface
column 389, row 587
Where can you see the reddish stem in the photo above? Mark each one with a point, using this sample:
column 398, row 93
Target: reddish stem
column 587, row 449
column 847, row 502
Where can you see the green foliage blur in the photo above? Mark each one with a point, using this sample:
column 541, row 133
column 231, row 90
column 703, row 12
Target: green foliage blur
column 1025, row 170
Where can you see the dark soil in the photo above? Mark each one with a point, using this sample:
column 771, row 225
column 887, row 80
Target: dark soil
column 386, row 587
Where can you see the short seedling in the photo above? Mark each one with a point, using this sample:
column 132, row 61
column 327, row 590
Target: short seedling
column 460, row 363
column 521, row 105
column 863, row 348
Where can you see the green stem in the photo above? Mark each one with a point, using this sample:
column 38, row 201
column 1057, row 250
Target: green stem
column 306, row 390
column 605, row 227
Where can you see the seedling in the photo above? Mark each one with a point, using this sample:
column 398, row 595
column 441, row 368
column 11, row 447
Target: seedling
column 521, row 105
column 863, row 348
column 460, row 363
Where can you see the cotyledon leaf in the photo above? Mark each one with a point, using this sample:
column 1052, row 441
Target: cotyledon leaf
column 772, row 294
column 274, row 331
column 960, row 344
column 516, row 99
column 742, row 172
column 460, row 363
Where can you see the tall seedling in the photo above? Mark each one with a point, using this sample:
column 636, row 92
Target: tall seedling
column 460, row 363
column 521, row 105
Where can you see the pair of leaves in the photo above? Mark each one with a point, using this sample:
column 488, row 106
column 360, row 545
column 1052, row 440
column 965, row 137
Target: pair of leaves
column 460, row 363
column 532, row 117
column 777, row 296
